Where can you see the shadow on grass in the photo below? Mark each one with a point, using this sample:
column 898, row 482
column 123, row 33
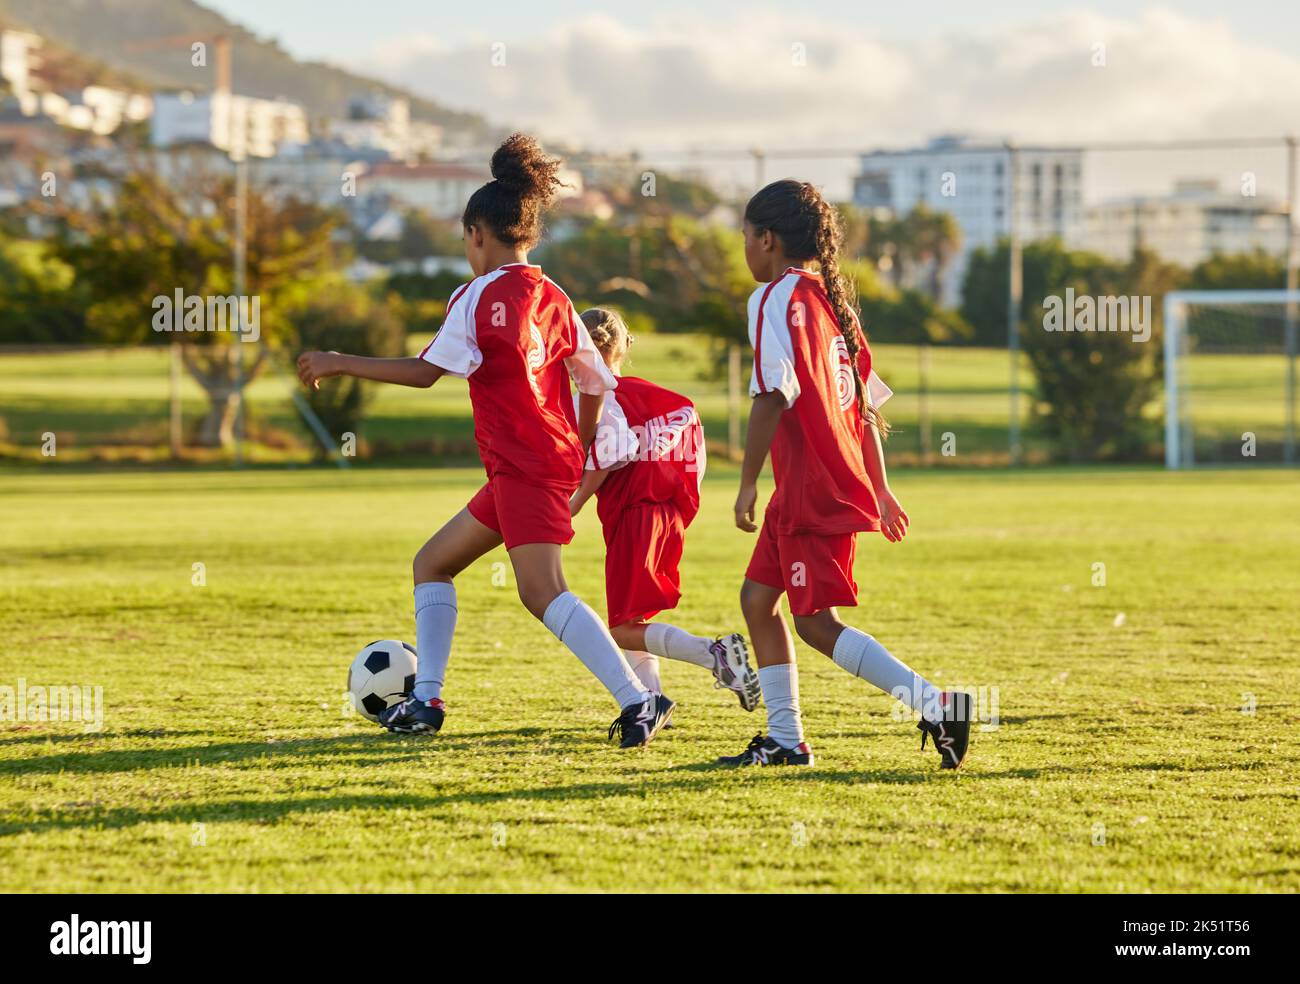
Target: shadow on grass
column 698, row 779
column 377, row 749
column 369, row 748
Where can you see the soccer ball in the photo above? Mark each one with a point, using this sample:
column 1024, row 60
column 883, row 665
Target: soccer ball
column 381, row 675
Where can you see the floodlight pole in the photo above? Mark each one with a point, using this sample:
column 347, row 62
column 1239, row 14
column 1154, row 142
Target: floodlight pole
column 1292, row 283
column 760, row 166
column 1015, row 292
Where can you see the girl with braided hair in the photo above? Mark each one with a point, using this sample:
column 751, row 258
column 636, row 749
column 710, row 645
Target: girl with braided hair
column 816, row 409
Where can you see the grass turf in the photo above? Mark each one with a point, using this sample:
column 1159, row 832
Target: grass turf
column 112, row 404
column 1123, row 759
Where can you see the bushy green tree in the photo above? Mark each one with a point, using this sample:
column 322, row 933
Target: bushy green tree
column 155, row 235
column 1093, row 389
column 39, row 298
column 337, row 316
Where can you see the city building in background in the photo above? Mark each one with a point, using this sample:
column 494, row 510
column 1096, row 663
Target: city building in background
column 1197, row 220
column 238, row 125
column 971, row 180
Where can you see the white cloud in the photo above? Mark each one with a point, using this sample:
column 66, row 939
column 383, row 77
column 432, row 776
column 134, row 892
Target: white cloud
column 716, row 83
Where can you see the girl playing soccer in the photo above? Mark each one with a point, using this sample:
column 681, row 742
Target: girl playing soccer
column 814, row 409
column 645, row 470
column 517, row 339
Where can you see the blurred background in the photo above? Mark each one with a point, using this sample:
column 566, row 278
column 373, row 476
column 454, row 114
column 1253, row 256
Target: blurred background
column 314, row 157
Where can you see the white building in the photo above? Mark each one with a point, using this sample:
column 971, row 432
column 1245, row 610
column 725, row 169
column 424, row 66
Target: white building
column 441, row 189
column 380, row 123
column 1190, row 225
column 972, row 180
column 238, row 125
column 18, row 59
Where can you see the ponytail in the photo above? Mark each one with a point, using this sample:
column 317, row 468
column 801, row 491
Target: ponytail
column 524, row 182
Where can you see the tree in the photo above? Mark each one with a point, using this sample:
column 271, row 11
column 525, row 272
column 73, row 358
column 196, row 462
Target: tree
column 1092, row 388
column 1259, row 270
column 339, row 316
column 677, row 273
column 155, row 236
column 38, row 295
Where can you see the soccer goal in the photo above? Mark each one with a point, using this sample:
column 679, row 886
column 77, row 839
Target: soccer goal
column 1230, row 377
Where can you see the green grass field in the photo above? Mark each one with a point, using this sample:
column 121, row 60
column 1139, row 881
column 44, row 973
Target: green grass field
column 113, row 404
column 1124, row 757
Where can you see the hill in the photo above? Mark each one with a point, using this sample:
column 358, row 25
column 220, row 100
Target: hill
column 103, row 30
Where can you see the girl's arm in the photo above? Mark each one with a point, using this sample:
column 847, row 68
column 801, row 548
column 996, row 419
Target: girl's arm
column 589, row 407
column 764, row 416
column 893, row 521
column 315, row 366
column 591, row 481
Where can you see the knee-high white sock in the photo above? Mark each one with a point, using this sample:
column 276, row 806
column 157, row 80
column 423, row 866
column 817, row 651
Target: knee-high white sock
column 646, row 668
column 780, row 684
column 435, row 622
column 674, row 643
column 581, row 630
column 864, row 657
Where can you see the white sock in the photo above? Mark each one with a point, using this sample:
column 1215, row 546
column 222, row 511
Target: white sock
column 674, row 643
column 435, row 622
column 581, row 630
column 862, row 656
column 646, row 668
column 780, row 684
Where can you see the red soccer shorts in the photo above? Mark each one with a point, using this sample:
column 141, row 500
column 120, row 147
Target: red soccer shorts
column 523, row 511
column 815, row 570
column 642, row 554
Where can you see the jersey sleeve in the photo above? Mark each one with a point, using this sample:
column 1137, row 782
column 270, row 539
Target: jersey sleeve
column 455, row 347
column 616, row 444
column 769, row 334
column 586, row 366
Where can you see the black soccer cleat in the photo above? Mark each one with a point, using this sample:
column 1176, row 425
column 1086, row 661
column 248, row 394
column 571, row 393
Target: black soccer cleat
column 414, row 716
column 639, row 723
column 951, row 733
column 763, row 750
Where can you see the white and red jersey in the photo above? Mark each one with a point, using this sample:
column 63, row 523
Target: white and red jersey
column 517, row 338
column 652, row 442
column 822, row 485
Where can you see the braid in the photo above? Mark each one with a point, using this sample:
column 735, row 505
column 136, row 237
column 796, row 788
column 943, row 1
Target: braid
column 809, row 228
column 829, row 238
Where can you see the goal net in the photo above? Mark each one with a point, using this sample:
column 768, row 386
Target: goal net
column 1230, row 377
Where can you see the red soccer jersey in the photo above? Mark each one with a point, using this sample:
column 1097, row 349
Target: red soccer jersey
column 821, row 479
column 513, row 334
column 653, row 442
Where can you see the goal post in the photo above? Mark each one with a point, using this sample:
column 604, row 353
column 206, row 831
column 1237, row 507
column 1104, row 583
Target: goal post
column 1230, row 376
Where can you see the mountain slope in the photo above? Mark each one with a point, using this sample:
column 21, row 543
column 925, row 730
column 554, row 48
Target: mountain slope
column 103, row 30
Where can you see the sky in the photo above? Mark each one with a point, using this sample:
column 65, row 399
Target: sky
column 670, row 78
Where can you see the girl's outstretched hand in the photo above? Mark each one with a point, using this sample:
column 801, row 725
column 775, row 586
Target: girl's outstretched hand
column 315, row 366
column 745, row 504
column 893, row 521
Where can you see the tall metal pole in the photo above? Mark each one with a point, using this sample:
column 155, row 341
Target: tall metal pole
column 174, row 383
column 1292, row 281
column 241, row 273
column 760, row 167
column 1015, row 291
column 733, row 402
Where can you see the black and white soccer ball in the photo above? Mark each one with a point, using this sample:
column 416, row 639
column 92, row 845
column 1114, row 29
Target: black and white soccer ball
column 381, row 675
